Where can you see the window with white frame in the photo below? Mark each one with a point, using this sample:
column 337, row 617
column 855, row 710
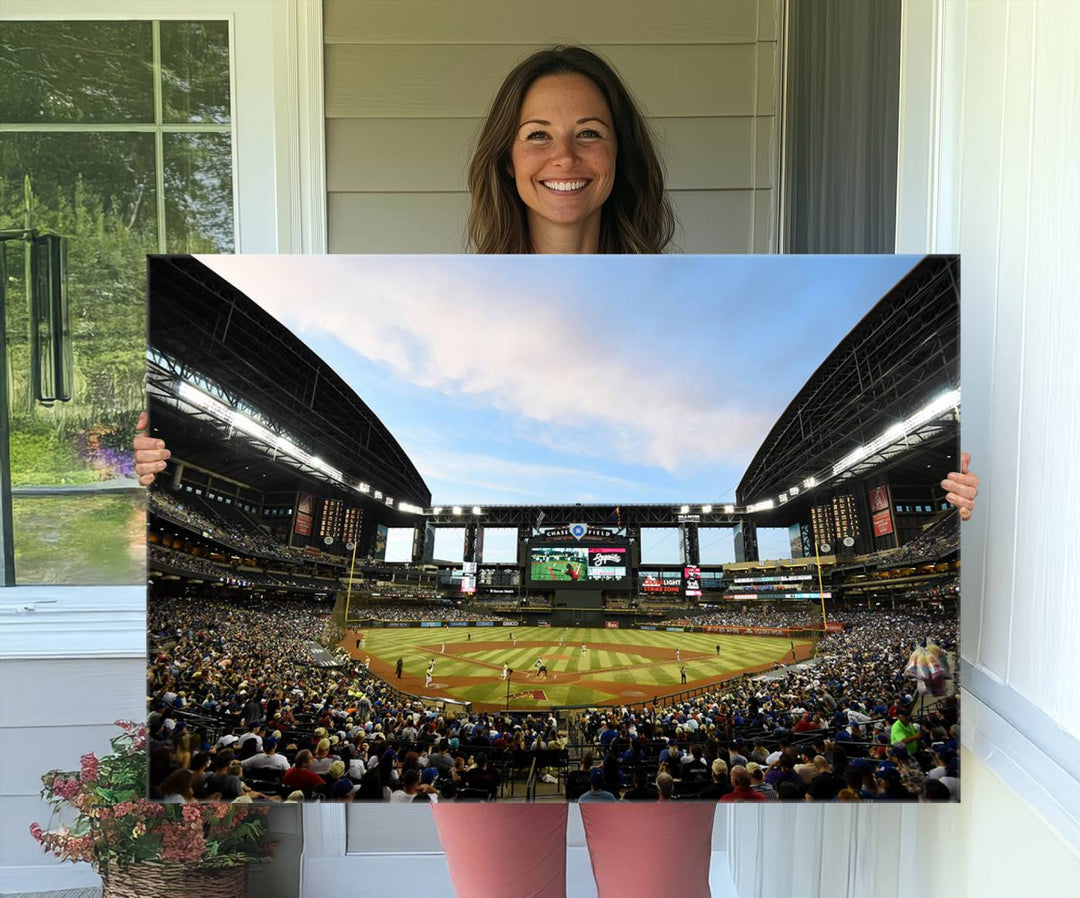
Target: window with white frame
column 117, row 136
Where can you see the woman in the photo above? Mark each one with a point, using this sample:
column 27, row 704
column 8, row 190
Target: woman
column 181, row 753
column 178, row 787
column 565, row 164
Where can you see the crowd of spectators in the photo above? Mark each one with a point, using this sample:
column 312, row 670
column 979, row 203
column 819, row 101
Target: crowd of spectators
column 237, row 531
column 219, row 667
column 184, row 561
column 205, row 567
column 948, row 590
column 404, row 591
column 415, row 611
column 848, row 726
column 751, row 617
column 244, row 538
column 938, row 540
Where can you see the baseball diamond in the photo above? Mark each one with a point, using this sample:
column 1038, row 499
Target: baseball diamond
column 620, row 666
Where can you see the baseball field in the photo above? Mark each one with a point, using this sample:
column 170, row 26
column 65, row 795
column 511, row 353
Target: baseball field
column 584, row 666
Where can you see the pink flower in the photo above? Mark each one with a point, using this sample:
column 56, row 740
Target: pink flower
column 123, row 808
column 192, row 814
column 36, row 832
column 181, row 842
column 151, row 808
column 89, row 768
column 66, row 789
column 79, row 848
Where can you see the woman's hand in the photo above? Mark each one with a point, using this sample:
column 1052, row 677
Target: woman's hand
column 150, row 453
column 962, row 487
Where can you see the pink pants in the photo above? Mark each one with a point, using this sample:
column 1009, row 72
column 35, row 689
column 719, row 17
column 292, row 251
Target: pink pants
column 495, row 850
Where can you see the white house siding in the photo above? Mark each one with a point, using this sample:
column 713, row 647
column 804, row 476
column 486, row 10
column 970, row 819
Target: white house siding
column 408, row 84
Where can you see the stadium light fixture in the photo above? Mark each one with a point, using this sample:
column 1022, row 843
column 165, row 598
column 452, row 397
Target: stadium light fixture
column 409, row 508
column 237, row 420
column 364, row 488
column 476, row 509
column 706, row 509
column 437, row 509
column 930, row 411
column 810, row 482
column 852, row 458
column 729, row 509
column 244, row 424
column 764, row 505
column 457, row 509
column 378, row 494
column 895, row 432
column 683, row 509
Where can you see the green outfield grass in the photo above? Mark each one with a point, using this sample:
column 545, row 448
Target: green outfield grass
column 618, row 665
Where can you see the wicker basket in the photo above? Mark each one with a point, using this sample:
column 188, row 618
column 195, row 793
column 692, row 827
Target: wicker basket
column 174, row 881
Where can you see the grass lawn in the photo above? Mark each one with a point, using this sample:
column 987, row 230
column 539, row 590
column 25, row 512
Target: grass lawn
column 80, row 539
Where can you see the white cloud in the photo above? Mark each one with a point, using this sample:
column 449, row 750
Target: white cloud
column 536, row 482
column 525, row 348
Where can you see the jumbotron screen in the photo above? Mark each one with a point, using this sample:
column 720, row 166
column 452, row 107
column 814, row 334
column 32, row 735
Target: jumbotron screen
column 579, row 565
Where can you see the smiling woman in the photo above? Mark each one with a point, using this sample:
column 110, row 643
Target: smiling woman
column 565, row 163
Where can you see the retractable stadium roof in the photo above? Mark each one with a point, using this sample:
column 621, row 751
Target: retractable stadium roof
column 902, row 355
column 204, row 329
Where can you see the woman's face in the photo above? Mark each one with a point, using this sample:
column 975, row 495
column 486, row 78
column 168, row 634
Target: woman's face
column 563, row 154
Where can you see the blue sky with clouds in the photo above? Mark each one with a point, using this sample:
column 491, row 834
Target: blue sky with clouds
column 535, row 379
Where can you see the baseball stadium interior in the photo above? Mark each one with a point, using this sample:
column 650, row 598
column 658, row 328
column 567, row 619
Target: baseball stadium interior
column 289, row 660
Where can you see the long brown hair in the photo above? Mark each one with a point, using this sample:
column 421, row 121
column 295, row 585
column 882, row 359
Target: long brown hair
column 637, row 216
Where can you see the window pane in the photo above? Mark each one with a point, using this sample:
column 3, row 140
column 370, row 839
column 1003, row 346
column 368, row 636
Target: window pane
column 198, row 193
column 81, row 181
column 98, row 191
column 75, row 520
column 76, row 72
column 81, row 539
column 195, row 72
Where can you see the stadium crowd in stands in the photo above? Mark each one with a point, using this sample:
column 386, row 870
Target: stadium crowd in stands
column 242, row 533
column 938, row 540
column 843, row 721
column 415, row 611
column 197, row 564
column 751, row 617
column 239, row 699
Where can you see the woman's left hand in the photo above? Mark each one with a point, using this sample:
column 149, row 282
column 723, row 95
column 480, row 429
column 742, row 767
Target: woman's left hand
column 962, row 487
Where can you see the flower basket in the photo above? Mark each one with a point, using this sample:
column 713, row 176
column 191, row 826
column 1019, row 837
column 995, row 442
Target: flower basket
column 146, row 848
column 173, row 881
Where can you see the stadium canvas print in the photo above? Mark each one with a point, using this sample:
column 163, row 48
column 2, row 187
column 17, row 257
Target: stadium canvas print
column 520, row 502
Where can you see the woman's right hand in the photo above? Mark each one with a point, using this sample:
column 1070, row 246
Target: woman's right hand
column 150, row 453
